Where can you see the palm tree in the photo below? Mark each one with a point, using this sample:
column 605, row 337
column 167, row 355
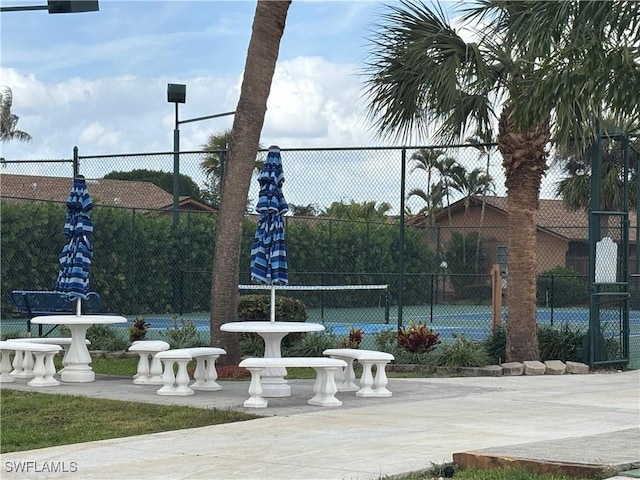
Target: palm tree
column 442, row 171
column 535, row 68
column 213, row 165
column 574, row 189
column 452, row 175
column 264, row 45
column 432, row 199
column 469, row 184
column 427, row 160
column 368, row 211
column 8, row 120
column 310, row 210
column 484, row 145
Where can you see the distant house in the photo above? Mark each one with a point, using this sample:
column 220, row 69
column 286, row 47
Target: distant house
column 562, row 234
column 106, row 192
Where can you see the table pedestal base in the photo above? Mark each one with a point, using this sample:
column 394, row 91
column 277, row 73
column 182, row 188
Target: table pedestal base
column 275, row 387
column 73, row 375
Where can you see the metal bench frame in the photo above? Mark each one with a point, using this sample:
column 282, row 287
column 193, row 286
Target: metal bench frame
column 33, row 303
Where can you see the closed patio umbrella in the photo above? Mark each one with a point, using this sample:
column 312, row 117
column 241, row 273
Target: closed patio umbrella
column 268, row 251
column 77, row 254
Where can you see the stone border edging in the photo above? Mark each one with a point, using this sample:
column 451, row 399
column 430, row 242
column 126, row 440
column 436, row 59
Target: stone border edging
column 550, row 367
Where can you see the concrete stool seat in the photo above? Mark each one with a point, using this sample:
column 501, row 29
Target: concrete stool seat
column 149, row 370
column 205, row 374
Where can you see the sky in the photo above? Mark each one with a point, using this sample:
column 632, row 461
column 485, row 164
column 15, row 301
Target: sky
column 98, row 81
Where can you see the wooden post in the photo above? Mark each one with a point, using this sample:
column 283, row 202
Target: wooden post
column 496, row 297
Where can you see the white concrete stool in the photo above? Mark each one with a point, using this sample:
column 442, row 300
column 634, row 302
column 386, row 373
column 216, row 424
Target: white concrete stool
column 205, row 374
column 370, row 385
column 149, row 372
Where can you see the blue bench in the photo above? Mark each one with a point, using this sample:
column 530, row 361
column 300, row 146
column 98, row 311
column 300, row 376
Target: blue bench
column 33, row 303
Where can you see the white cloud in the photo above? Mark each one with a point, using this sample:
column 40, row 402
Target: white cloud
column 313, row 103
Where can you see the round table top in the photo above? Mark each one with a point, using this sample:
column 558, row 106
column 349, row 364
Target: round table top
column 78, row 319
column 271, row 327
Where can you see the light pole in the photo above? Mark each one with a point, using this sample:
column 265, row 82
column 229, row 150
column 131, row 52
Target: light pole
column 176, row 93
column 58, row 6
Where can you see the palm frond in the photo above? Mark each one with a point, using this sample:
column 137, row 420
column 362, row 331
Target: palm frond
column 421, row 74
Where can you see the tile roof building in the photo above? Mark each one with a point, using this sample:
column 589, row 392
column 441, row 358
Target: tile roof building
column 105, row 192
column 562, row 234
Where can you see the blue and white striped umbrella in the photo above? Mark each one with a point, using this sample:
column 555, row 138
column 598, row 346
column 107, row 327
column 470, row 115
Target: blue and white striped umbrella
column 268, row 252
column 77, row 254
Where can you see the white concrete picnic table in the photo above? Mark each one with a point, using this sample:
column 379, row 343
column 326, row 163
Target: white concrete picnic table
column 273, row 381
column 77, row 358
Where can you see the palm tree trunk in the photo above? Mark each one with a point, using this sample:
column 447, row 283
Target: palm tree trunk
column 524, row 160
column 268, row 27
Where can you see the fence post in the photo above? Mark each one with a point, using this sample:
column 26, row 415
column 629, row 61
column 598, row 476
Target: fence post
column 76, row 163
column 403, row 174
column 496, row 297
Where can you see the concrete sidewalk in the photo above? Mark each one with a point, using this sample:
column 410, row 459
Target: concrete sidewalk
column 588, row 421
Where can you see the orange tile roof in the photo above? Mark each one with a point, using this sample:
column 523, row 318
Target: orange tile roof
column 551, row 216
column 122, row 193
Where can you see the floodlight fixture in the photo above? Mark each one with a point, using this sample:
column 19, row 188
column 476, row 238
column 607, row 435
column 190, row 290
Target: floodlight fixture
column 58, row 6
column 176, row 93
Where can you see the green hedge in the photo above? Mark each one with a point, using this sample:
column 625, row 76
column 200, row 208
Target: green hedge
column 257, row 308
column 142, row 265
column 561, row 287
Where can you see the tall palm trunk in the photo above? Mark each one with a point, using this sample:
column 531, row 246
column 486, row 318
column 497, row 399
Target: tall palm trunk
column 268, row 27
column 524, row 160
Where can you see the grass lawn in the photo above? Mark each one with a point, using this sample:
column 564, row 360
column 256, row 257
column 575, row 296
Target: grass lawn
column 36, row 420
column 474, row 474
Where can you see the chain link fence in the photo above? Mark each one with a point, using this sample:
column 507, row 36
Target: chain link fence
column 367, row 216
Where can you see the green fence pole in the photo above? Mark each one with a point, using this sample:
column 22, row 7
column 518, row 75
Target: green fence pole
column 403, row 173
column 76, row 163
column 594, row 236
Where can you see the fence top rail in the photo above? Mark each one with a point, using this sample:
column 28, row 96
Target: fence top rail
column 313, row 287
column 295, row 149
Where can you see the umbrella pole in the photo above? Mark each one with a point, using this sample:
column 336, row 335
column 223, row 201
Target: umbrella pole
column 273, row 304
column 78, row 307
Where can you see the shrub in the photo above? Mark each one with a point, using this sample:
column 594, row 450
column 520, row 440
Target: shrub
column 554, row 343
column 138, row 331
column 313, row 344
column 387, row 341
column 257, row 308
column 353, row 339
column 7, row 334
column 613, row 348
column 562, row 287
column 184, row 334
column 496, row 345
column 106, row 338
column 251, row 345
column 417, row 338
column 462, row 353
column 560, row 343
